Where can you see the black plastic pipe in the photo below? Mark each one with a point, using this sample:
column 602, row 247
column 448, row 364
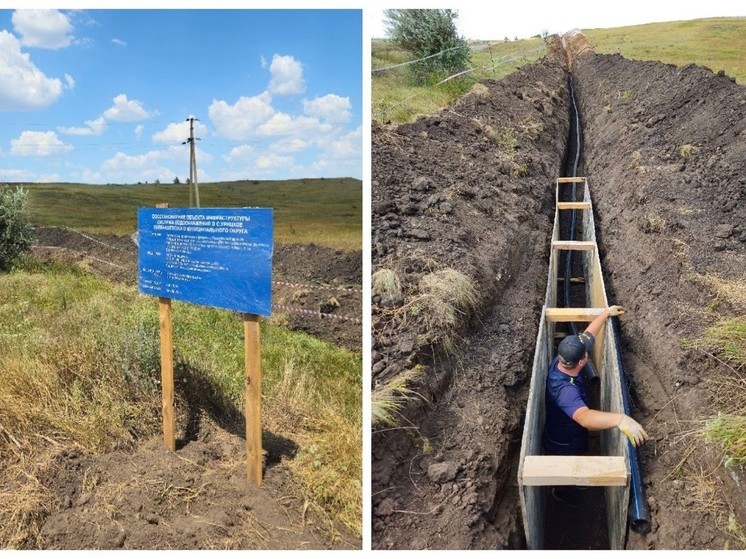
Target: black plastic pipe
column 639, row 513
column 589, row 371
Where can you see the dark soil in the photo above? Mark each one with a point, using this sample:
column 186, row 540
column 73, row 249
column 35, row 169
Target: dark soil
column 445, row 195
column 317, row 289
column 195, row 498
column 199, row 497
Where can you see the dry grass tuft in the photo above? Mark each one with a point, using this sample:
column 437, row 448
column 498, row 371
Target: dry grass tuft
column 480, row 90
column 687, row 150
column 386, row 284
column 447, row 298
column 24, row 503
column 388, row 399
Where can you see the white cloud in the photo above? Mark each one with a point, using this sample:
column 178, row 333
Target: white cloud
column 38, row 144
column 119, row 42
column 290, row 145
column 22, row 85
column 47, row 29
column 70, row 82
column 125, row 110
column 347, row 146
column 138, row 130
column 239, row 154
column 15, row 175
column 178, row 132
column 241, row 120
column 271, row 161
column 263, row 61
column 329, row 108
column 92, row 128
column 282, row 124
column 146, row 167
column 286, row 76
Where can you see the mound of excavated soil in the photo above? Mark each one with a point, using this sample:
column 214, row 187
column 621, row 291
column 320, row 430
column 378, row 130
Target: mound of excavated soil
column 470, row 188
column 195, row 498
column 320, row 285
column 669, row 219
column 665, row 154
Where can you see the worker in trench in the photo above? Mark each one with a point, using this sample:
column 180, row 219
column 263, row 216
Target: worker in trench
column 568, row 414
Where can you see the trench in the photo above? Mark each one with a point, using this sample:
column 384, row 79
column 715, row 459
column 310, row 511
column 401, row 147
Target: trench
column 560, row 519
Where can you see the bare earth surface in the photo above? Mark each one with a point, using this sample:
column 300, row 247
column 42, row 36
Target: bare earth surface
column 447, row 194
column 198, row 497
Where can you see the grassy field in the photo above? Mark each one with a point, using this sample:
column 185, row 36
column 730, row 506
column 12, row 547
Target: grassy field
column 322, row 211
column 80, row 365
column 396, row 98
column 718, row 43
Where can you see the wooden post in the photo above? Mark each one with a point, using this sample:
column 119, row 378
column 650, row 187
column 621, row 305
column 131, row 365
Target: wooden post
column 253, row 399
column 167, row 368
column 167, row 372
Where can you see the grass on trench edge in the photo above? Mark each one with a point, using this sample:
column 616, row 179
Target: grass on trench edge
column 80, row 366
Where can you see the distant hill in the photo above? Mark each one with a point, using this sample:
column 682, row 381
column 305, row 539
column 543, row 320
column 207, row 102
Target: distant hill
column 323, row 211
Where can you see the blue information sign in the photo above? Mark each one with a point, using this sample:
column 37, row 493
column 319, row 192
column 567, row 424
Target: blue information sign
column 217, row 257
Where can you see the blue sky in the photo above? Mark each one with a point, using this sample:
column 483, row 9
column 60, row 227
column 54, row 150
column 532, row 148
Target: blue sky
column 102, row 96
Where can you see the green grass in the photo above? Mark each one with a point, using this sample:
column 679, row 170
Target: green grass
column 718, row 43
column 80, row 365
column 322, row 211
column 398, row 98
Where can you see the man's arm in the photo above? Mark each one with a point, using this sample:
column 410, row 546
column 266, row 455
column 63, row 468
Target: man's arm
column 595, row 420
column 599, row 321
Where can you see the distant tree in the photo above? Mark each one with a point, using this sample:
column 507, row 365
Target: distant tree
column 157, row 181
column 176, row 180
column 188, row 180
column 425, row 33
column 16, row 234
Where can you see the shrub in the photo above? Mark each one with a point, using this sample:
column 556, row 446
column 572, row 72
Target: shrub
column 15, row 233
column 425, row 33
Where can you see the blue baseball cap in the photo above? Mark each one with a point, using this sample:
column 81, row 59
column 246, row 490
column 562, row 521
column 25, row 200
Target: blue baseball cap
column 573, row 348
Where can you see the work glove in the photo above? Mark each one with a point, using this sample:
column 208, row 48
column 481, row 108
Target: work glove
column 615, row 310
column 632, row 430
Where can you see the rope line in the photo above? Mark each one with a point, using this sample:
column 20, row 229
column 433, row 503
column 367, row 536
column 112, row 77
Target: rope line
column 501, row 61
column 129, row 251
column 418, row 60
column 287, row 308
column 311, row 286
column 86, row 255
column 317, row 314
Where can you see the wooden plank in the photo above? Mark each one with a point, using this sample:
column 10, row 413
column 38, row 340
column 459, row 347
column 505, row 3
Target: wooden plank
column 574, row 245
column 575, row 470
column 253, row 399
column 561, row 314
column 564, row 180
column 579, row 279
column 573, row 205
column 167, row 372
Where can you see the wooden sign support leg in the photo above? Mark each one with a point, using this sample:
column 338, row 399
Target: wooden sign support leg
column 253, row 399
column 167, row 372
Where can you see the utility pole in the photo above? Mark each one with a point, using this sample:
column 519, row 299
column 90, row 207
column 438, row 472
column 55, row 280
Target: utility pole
column 193, row 194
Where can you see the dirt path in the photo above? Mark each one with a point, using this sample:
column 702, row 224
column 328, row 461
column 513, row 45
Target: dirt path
column 671, row 231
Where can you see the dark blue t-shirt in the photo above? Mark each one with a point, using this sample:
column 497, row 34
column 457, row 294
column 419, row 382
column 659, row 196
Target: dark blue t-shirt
column 564, row 396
